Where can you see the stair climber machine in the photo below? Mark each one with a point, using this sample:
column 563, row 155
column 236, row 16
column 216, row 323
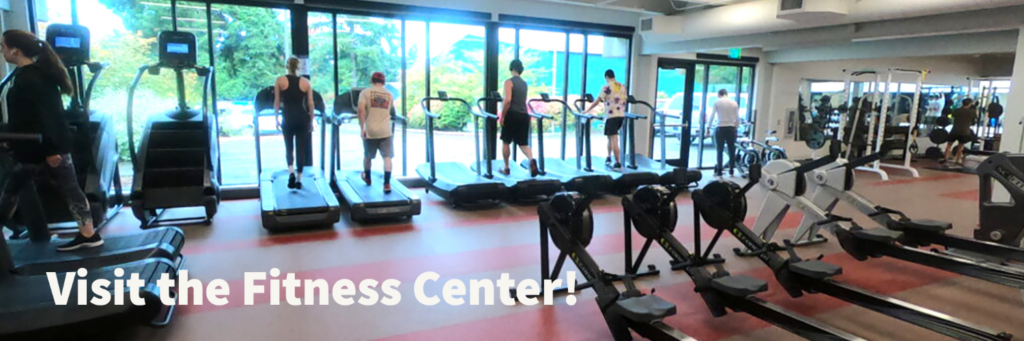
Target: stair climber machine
column 723, row 206
column 522, row 187
column 574, row 178
column 29, row 311
column 570, row 223
column 95, row 139
column 625, row 179
column 665, row 172
column 367, row 203
column 900, row 238
column 1002, row 219
column 652, row 209
column 283, row 208
column 177, row 164
column 454, row 181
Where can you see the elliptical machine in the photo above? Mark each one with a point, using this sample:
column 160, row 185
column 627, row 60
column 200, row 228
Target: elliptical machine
column 177, row 163
column 95, row 141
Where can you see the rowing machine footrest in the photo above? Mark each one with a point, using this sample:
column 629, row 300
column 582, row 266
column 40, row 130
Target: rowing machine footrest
column 816, row 269
column 879, row 235
column 645, row 309
column 739, row 285
column 926, row 225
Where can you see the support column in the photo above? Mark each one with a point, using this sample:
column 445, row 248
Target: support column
column 1013, row 117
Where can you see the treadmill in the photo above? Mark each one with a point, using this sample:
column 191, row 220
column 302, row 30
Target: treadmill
column 573, row 176
column 283, row 208
column 29, row 312
column 625, row 179
column 177, row 163
column 453, row 181
column 366, row 203
column 644, row 163
column 521, row 185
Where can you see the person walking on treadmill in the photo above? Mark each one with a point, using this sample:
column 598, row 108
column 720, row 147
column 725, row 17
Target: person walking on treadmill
column 727, row 111
column 296, row 95
column 613, row 95
column 961, row 134
column 33, row 105
column 375, row 122
column 514, row 121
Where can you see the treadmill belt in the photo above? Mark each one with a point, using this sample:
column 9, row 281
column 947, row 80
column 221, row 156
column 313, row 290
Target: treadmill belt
column 374, row 193
column 298, row 201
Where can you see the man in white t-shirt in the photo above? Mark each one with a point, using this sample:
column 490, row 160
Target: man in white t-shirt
column 727, row 111
column 375, row 123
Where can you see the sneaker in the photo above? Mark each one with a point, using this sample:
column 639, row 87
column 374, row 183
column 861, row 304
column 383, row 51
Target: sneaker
column 366, row 179
column 731, row 172
column 291, row 180
column 81, row 241
column 617, row 166
column 608, row 160
column 534, row 171
column 505, row 171
column 387, row 188
column 718, row 173
column 298, row 183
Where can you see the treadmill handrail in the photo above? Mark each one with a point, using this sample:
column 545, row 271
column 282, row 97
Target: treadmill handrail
column 481, row 112
column 426, row 110
column 635, row 116
column 533, row 113
column 430, row 130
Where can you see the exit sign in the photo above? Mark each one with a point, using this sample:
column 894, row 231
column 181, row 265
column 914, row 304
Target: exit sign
column 735, row 53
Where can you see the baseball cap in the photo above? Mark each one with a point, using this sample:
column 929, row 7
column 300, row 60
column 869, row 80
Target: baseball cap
column 378, row 77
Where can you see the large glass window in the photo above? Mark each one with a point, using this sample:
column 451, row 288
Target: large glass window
column 321, row 55
column 250, row 54
column 416, row 89
column 506, row 52
column 456, row 66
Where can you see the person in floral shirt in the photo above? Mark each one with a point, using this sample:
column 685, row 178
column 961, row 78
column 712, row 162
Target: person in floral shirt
column 613, row 95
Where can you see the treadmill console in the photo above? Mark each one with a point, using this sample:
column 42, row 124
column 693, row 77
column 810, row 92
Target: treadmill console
column 495, row 95
column 544, row 96
column 630, row 99
column 588, row 97
column 177, row 49
column 71, row 42
column 442, row 94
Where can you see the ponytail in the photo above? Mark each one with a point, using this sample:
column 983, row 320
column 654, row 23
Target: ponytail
column 293, row 65
column 44, row 55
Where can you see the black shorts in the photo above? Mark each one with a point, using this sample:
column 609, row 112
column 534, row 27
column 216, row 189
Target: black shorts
column 516, row 129
column 613, row 125
column 961, row 138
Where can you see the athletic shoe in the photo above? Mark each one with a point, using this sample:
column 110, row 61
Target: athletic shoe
column 617, row 166
column 81, row 241
column 730, row 172
column 534, row 172
column 608, row 160
column 366, row 179
column 291, row 180
column 387, row 188
column 505, row 171
column 298, row 183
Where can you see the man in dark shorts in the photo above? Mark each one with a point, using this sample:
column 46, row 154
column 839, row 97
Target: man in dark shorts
column 613, row 96
column 961, row 134
column 375, row 122
column 514, row 121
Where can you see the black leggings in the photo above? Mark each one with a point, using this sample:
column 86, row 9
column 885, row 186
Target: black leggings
column 725, row 136
column 63, row 176
column 298, row 143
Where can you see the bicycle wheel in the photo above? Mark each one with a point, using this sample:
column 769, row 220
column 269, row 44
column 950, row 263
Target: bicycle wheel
column 776, row 153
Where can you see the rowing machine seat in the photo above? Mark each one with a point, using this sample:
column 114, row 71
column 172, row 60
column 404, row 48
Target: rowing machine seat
column 645, row 309
column 739, row 285
column 926, row 225
column 816, row 269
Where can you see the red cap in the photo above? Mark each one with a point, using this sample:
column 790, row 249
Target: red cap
column 378, row 77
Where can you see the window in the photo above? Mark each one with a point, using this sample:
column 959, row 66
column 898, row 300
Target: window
column 506, row 52
column 321, row 55
column 456, row 66
column 416, row 89
column 250, row 53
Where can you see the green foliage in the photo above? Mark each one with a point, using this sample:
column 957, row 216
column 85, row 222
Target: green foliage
column 251, row 51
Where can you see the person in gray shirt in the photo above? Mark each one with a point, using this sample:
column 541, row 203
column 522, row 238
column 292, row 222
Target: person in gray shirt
column 514, row 121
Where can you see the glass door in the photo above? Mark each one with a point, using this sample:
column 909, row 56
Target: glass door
column 675, row 91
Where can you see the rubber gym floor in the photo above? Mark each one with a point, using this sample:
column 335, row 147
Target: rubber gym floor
column 485, row 243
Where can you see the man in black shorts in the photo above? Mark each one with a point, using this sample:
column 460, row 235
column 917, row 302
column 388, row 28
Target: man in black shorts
column 613, row 96
column 961, row 134
column 514, row 121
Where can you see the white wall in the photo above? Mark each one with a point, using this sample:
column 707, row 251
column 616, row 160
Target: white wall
column 785, row 79
column 1012, row 135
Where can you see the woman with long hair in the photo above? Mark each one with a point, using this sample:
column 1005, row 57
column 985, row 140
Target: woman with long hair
column 32, row 104
column 295, row 94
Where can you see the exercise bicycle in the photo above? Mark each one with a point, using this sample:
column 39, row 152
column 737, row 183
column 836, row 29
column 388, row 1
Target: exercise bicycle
column 567, row 218
column 722, row 204
column 652, row 209
column 750, row 151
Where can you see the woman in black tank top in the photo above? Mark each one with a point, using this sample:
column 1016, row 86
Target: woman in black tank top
column 514, row 120
column 295, row 95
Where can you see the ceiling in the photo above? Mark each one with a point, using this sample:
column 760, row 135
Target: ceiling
column 651, row 6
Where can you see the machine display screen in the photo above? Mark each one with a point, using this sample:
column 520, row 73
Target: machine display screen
column 68, row 42
column 177, row 48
